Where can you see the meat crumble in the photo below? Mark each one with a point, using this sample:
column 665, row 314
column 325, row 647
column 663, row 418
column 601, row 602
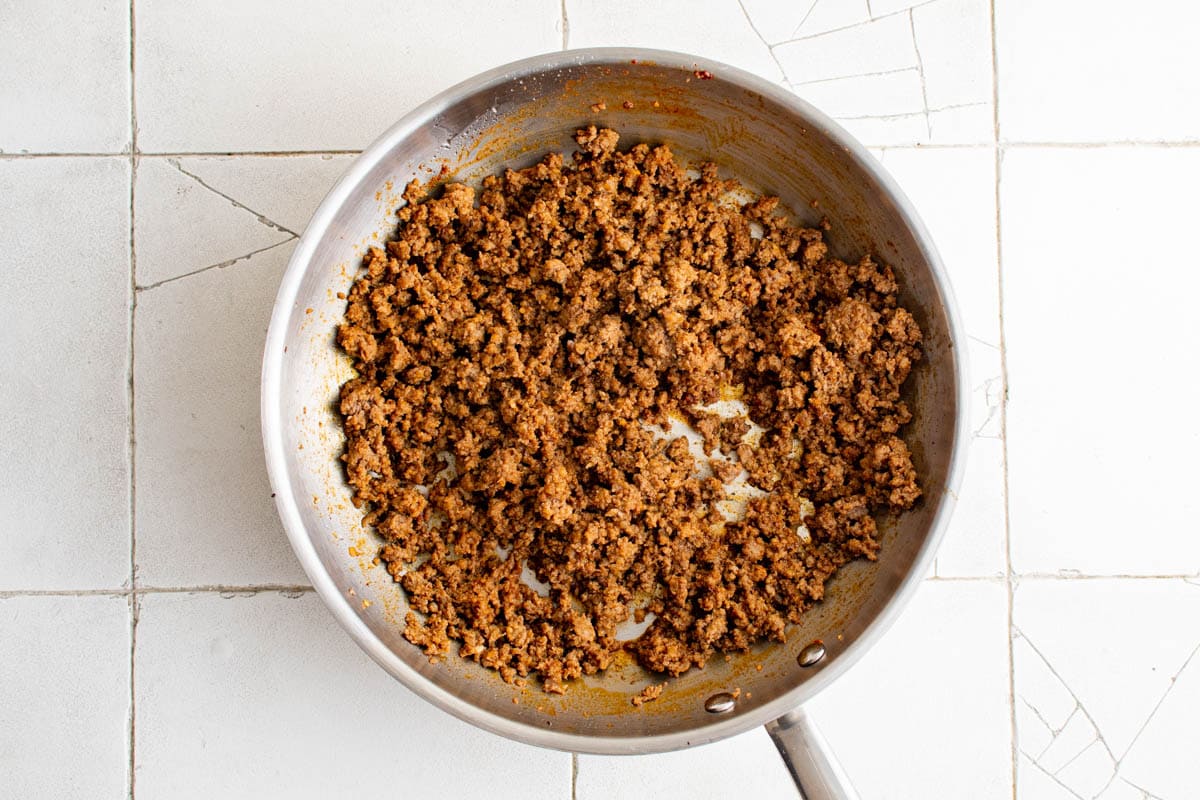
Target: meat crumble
column 521, row 354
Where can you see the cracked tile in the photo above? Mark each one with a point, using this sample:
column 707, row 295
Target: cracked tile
column 950, row 35
column 1090, row 772
column 967, row 124
column 912, row 76
column 222, row 682
column 898, row 129
column 1034, row 783
column 823, row 16
column 949, row 649
column 1105, row 74
column 196, row 212
column 64, row 77
column 1101, row 664
column 204, row 508
column 1164, row 760
column 285, row 189
column 882, row 8
column 261, row 76
column 1121, row 790
column 714, row 28
column 64, row 428
column 229, row 225
column 1043, row 694
column 777, row 21
column 64, row 688
column 1145, row 794
column 1095, row 375
column 175, row 218
column 1076, row 736
column 885, row 45
column 1036, row 733
column 888, row 94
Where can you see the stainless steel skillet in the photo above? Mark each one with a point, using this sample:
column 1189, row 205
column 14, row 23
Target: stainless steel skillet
column 755, row 131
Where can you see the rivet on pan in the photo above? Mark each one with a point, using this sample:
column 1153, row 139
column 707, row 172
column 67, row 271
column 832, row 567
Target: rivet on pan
column 720, row 703
column 811, row 654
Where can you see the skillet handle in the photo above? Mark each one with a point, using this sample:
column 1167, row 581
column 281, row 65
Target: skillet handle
column 814, row 767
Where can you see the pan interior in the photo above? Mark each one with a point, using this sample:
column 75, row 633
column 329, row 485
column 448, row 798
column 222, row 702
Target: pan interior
column 512, row 119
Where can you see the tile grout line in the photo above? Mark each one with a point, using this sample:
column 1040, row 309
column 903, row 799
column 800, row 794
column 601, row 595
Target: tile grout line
column 181, row 154
column 566, row 26
column 873, row 18
column 283, row 588
column 1162, row 143
column 1051, row 576
column 31, row 156
column 9, row 594
column 134, row 604
column 246, row 153
column 998, row 155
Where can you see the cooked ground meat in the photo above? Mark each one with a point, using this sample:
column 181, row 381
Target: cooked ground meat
column 649, row 694
column 520, row 353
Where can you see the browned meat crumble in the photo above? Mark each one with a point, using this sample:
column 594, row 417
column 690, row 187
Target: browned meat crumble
column 520, row 352
column 647, row 695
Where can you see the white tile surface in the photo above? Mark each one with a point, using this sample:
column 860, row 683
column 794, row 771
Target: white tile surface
column 64, row 688
column 1037, row 784
column 1100, row 323
column 266, row 75
column 204, row 509
column 744, row 766
column 925, row 713
column 902, row 75
column 894, row 94
column 776, row 22
column 955, row 194
column 1106, row 71
column 952, row 38
column 264, row 696
column 64, row 76
column 1106, row 686
column 882, row 8
column 63, row 402
column 283, row 190
column 883, row 45
column 781, row 22
column 714, row 28
column 822, row 17
column 975, row 542
column 1122, row 789
column 1164, row 760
